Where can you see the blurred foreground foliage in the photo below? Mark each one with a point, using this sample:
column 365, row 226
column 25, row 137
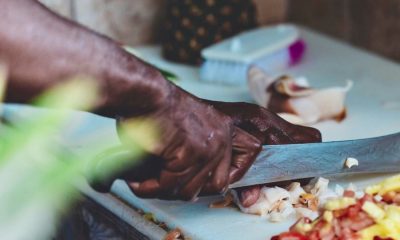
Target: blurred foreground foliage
column 37, row 175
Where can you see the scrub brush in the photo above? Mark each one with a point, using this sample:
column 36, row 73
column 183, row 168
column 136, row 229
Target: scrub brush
column 272, row 49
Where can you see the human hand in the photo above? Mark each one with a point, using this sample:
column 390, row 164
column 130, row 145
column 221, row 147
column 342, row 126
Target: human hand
column 200, row 148
column 269, row 129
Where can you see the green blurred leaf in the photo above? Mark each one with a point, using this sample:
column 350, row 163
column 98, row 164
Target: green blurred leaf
column 37, row 173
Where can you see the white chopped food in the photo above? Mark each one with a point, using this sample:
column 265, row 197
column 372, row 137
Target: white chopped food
column 317, row 186
column 295, row 191
column 378, row 198
column 277, row 204
column 339, row 190
column 275, row 195
column 351, row 162
column 284, row 211
column 351, row 187
column 260, row 207
column 359, row 194
column 305, row 212
column 327, row 195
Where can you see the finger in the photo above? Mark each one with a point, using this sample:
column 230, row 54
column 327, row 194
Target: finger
column 245, row 150
column 303, row 134
column 277, row 136
column 300, row 134
column 220, row 178
column 172, row 182
column 249, row 195
column 194, row 186
column 148, row 167
column 147, row 189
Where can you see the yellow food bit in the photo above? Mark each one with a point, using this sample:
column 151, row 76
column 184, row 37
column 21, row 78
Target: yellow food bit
column 370, row 232
column 373, row 210
column 339, row 203
column 303, row 227
column 309, row 200
column 328, row 216
column 374, row 189
column 386, row 227
column 387, row 185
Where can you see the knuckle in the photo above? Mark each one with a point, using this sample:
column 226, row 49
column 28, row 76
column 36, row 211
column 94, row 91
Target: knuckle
column 255, row 146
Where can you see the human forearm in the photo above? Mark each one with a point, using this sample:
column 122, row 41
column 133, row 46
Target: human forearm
column 42, row 49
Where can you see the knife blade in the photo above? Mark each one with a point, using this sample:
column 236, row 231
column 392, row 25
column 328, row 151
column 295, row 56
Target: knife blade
column 295, row 161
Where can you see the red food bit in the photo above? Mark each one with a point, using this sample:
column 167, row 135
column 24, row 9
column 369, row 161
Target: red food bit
column 340, row 213
column 366, row 198
column 361, row 221
column 349, row 193
column 344, row 225
column 336, row 227
column 354, row 210
column 314, row 236
column 326, row 233
column 388, row 197
column 396, row 199
column 290, row 236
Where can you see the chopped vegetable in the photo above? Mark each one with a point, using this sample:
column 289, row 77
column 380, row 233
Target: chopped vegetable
column 277, row 204
column 339, row 203
column 374, row 216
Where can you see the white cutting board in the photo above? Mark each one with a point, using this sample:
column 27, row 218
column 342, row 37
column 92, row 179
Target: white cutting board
column 373, row 110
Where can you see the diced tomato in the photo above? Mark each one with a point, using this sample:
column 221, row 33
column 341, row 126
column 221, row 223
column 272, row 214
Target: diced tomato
column 340, row 213
column 290, row 236
column 326, row 233
column 314, row 236
column 365, row 198
column 361, row 222
column 336, row 227
column 388, row 197
column 396, row 199
column 354, row 210
column 349, row 193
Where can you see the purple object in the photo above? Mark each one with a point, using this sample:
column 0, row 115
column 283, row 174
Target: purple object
column 296, row 51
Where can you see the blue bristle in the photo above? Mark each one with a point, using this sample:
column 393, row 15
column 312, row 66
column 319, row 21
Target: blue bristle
column 235, row 73
column 224, row 72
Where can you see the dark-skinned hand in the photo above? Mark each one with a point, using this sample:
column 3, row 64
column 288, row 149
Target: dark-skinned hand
column 269, row 129
column 200, row 148
column 182, row 164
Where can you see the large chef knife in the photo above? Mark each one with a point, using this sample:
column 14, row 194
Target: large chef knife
column 295, row 161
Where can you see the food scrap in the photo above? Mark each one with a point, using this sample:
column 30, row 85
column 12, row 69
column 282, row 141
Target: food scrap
column 351, row 162
column 175, row 234
column 278, row 204
column 294, row 100
column 374, row 216
column 227, row 201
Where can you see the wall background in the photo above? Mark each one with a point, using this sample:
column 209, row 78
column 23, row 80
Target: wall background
column 369, row 24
